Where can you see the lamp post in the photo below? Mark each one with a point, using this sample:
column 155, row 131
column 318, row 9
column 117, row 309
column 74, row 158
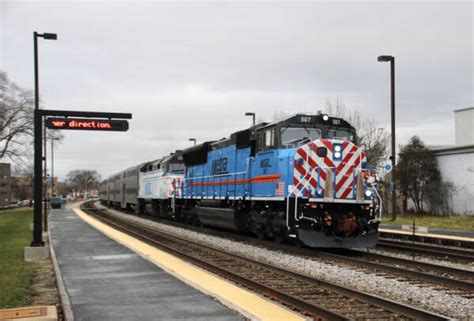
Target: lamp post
column 193, row 140
column 52, row 163
column 253, row 117
column 391, row 59
column 37, row 237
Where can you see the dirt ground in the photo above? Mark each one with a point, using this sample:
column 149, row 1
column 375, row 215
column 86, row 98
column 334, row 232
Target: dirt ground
column 44, row 290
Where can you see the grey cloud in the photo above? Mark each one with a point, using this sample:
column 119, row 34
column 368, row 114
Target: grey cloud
column 192, row 69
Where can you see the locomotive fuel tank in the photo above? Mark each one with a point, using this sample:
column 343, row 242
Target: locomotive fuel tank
column 226, row 218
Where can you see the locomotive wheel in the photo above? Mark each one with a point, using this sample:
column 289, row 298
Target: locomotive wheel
column 261, row 233
column 279, row 236
column 155, row 208
column 140, row 207
column 298, row 243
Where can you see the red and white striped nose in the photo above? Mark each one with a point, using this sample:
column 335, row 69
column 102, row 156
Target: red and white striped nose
column 328, row 168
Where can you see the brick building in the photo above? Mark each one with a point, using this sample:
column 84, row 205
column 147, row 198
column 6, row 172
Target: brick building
column 22, row 188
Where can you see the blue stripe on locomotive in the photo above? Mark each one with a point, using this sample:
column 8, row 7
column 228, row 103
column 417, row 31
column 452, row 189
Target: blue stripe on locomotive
column 229, row 172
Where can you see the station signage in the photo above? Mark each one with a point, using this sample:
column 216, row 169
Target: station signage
column 87, row 124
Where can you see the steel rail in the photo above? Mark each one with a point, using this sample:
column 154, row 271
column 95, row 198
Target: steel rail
column 430, row 277
column 464, row 279
column 315, row 310
column 457, row 254
column 318, row 310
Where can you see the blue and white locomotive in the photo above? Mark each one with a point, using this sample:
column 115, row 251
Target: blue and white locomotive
column 303, row 179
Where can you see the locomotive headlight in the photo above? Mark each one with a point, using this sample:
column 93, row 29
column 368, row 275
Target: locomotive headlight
column 325, row 117
column 337, row 156
column 368, row 193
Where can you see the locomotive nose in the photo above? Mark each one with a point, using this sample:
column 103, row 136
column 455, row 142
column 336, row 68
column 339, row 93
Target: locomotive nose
column 330, row 169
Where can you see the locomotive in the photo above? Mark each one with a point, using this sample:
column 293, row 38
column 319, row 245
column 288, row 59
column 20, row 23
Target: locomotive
column 303, row 179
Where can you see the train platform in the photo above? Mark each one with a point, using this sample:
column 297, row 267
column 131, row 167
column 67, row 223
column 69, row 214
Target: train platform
column 434, row 231
column 104, row 274
column 430, row 235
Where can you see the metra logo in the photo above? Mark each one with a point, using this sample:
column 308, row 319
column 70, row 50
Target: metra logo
column 219, row 166
column 265, row 163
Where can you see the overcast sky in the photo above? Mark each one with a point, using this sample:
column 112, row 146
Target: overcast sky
column 193, row 69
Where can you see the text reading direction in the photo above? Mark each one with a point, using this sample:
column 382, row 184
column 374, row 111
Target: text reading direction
column 87, row 124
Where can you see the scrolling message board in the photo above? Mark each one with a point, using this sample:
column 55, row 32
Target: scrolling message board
column 87, row 124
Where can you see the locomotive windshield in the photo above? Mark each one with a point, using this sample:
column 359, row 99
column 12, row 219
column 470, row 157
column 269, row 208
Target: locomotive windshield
column 292, row 136
column 177, row 168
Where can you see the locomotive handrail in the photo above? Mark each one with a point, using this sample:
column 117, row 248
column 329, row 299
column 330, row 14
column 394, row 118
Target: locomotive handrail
column 354, row 170
column 379, row 218
column 296, row 201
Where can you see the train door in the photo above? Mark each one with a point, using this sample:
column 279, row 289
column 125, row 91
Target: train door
column 124, row 203
column 108, row 193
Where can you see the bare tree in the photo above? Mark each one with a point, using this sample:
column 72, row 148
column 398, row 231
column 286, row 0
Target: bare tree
column 280, row 115
column 16, row 120
column 82, row 180
column 16, row 123
column 440, row 197
column 371, row 135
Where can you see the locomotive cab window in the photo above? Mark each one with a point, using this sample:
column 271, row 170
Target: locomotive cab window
column 342, row 134
column 266, row 139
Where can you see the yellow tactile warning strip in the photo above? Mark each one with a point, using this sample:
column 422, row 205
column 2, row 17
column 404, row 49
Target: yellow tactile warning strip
column 22, row 313
column 36, row 313
column 247, row 303
column 440, row 236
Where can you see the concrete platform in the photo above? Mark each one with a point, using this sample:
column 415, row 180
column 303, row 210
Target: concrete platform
column 104, row 280
column 435, row 231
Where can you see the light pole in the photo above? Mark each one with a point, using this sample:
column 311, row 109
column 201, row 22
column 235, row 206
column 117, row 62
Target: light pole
column 193, row 140
column 253, row 117
column 37, row 237
column 391, row 59
column 52, row 163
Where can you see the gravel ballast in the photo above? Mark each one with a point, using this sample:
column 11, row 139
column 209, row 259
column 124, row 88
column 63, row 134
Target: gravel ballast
column 438, row 301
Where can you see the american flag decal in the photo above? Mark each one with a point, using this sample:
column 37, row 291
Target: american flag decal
column 279, row 191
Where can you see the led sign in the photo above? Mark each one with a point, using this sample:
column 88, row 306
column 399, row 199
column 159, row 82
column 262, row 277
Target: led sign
column 87, row 124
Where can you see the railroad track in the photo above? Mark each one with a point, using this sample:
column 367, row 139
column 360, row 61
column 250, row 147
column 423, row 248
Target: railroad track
column 427, row 239
column 447, row 253
column 310, row 296
column 438, row 277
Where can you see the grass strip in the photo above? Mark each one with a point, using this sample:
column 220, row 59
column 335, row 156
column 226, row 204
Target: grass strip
column 16, row 275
